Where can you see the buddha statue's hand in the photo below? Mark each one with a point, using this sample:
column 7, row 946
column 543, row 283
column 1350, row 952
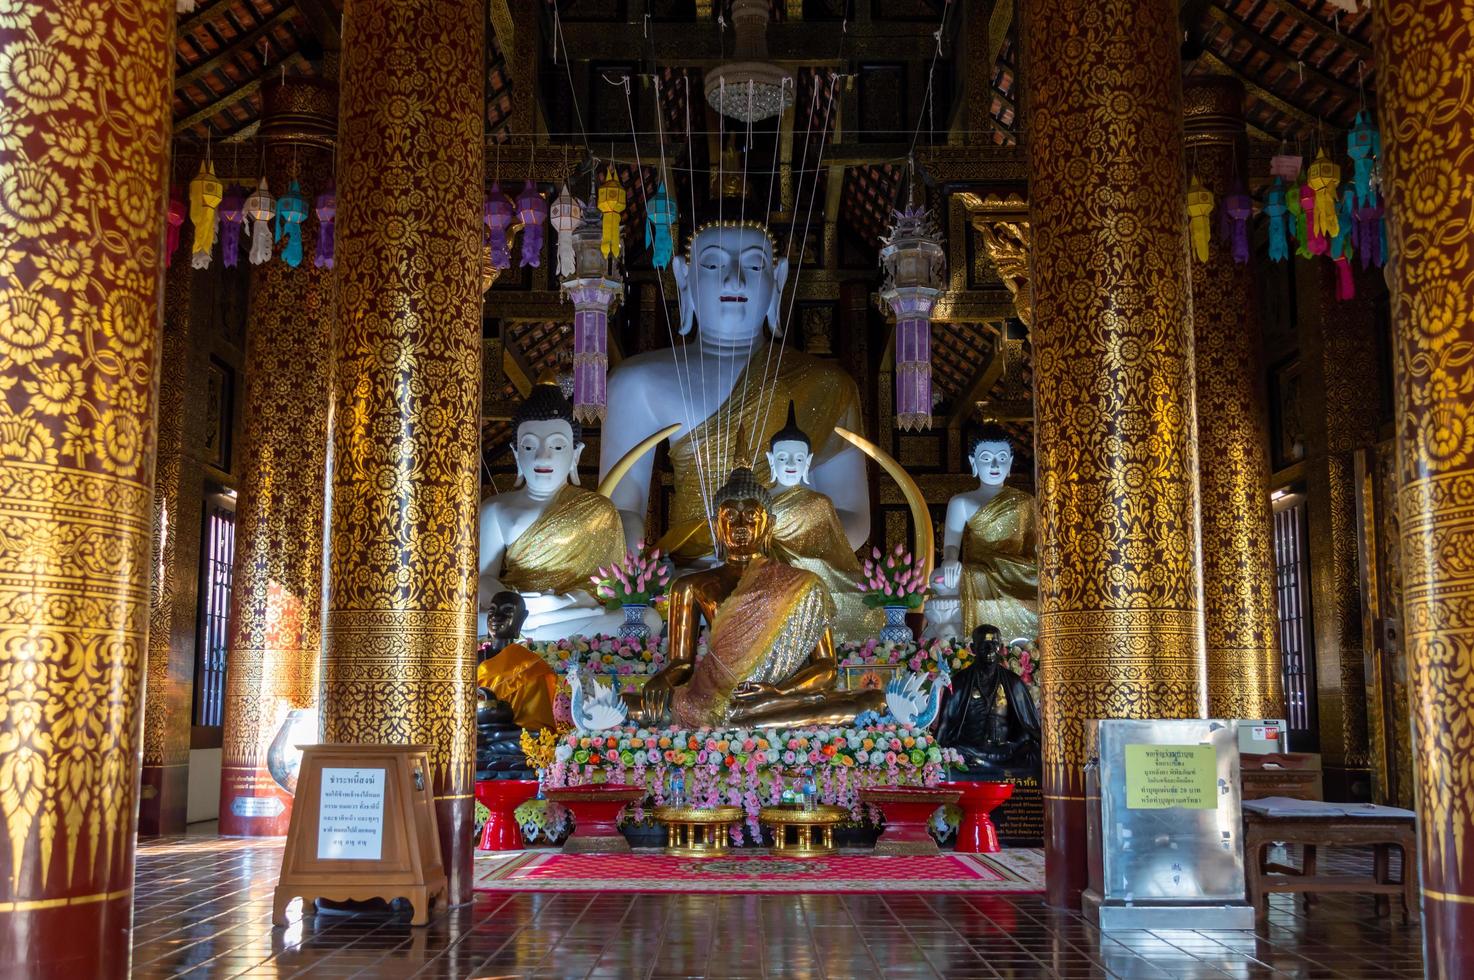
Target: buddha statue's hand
column 949, row 574
column 655, row 698
column 755, row 691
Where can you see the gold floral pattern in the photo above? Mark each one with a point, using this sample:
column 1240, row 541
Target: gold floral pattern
column 1240, row 620
column 1120, row 624
column 76, row 439
column 1427, row 115
column 398, row 656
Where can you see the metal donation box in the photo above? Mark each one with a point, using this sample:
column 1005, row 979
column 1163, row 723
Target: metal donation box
column 1164, row 826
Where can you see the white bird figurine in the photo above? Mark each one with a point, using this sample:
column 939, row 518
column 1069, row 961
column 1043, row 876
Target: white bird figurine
column 907, row 706
column 606, row 709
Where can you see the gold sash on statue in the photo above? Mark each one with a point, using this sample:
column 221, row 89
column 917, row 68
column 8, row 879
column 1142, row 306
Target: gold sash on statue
column 823, row 397
column 764, row 632
column 579, row 533
column 807, row 534
column 1000, row 567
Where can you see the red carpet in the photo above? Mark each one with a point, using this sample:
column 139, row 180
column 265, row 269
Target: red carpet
column 1015, row 871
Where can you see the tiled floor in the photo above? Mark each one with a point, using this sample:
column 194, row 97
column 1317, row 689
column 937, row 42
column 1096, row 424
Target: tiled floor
column 204, row 910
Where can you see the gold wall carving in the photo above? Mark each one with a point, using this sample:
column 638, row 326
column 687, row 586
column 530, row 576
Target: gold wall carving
column 1119, row 586
column 399, row 651
column 276, row 615
column 83, row 159
column 1240, row 618
column 1427, row 114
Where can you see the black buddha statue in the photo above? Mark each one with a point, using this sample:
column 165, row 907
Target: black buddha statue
column 990, row 717
column 498, row 736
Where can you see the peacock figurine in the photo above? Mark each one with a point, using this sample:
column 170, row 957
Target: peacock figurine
column 606, row 709
column 905, row 703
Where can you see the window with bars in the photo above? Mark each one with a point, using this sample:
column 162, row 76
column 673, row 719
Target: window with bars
column 217, row 559
column 1292, row 591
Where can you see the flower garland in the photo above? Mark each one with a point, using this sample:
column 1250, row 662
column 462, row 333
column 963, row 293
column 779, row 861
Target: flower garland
column 1021, row 658
column 750, row 769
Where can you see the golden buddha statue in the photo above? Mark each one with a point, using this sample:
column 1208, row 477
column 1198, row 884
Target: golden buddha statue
column 807, row 533
column 769, row 660
column 990, row 561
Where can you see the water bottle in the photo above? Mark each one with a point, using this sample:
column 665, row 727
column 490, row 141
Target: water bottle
column 678, row 790
column 810, row 791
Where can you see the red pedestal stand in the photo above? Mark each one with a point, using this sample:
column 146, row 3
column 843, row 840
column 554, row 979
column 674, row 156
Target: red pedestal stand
column 907, row 811
column 595, row 809
column 976, row 833
column 502, row 797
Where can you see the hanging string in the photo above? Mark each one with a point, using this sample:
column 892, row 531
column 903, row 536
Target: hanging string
column 698, row 446
column 931, row 72
column 560, row 43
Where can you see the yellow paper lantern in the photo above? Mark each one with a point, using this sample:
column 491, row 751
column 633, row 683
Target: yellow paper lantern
column 1324, row 177
column 612, row 201
column 1199, row 209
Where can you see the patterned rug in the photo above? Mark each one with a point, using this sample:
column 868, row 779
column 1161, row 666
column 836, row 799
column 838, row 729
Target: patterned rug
column 1015, row 870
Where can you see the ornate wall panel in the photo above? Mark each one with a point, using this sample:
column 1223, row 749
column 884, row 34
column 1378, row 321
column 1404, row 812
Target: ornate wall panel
column 276, row 615
column 1120, row 621
column 1239, row 615
column 399, row 652
column 84, row 111
column 1427, row 114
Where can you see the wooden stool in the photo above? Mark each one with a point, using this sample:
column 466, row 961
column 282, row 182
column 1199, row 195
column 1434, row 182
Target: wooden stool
column 502, row 797
column 1380, row 833
column 596, row 809
column 697, row 831
column 907, row 811
column 803, row 821
column 976, row 833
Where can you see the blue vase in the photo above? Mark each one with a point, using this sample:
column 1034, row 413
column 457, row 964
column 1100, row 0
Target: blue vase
column 895, row 629
column 634, row 627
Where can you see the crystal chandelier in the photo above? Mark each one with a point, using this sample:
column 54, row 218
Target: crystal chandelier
column 750, row 88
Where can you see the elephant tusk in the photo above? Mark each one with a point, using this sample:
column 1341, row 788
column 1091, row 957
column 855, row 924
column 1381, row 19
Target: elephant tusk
column 628, row 460
column 924, row 547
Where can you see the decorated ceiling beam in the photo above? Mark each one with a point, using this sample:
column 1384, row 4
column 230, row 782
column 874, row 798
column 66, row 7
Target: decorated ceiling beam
column 244, row 44
column 1212, row 63
column 515, row 364
column 983, row 380
column 792, row 43
column 236, row 95
column 1285, row 58
column 324, row 21
column 1291, row 10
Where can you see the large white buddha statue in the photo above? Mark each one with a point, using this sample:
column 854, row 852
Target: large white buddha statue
column 729, row 390
column 545, row 538
column 990, row 564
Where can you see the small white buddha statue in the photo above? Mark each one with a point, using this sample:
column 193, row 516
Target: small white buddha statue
column 547, row 536
column 990, row 566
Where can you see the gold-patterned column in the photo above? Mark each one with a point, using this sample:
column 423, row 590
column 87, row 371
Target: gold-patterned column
column 1427, row 116
column 1119, row 590
column 399, row 653
column 1240, row 621
column 276, row 600
column 84, row 121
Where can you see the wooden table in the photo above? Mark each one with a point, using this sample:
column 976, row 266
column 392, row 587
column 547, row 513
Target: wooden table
column 908, row 811
column 1380, row 833
column 595, row 809
column 694, row 831
column 803, row 822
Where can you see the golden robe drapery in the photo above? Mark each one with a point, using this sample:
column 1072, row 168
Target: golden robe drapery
column 807, row 534
column 524, row 680
column 1000, row 566
column 579, row 533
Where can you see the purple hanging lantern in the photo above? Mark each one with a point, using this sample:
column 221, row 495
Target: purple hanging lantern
column 1368, row 233
column 913, row 259
column 326, row 209
column 232, row 213
column 594, row 292
column 176, row 221
column 532, row 209
column 499, row 213
column 1238, row 208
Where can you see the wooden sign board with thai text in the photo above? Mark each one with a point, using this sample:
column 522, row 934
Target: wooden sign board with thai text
column 363, row 827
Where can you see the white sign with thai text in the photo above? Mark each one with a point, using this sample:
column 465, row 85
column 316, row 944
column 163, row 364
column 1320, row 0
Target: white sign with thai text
column 350, row 825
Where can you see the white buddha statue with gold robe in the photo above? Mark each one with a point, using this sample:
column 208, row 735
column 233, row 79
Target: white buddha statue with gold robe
column 728, row 389
column 545, row 538
column 990, row 562
column 807, row 533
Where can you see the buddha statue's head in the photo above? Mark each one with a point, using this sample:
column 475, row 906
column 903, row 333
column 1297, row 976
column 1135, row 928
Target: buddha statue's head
column 990, row 455
column 546, row 441
column 744, row 516
column 729, row 281
column 790, row 453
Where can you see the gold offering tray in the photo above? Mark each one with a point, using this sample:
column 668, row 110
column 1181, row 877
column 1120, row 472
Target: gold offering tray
column 794, row 827
column 692, row 831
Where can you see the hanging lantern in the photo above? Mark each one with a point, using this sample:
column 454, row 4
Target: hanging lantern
column 204, row 196
column 612, row 202
column 326, row 209
column 594, row 292
column 532, row 209
column 660, row 228
column 913, row 259
column 1323, row 179
column 1364, row 146
column 1199, row 210
column 1285, row 166
column 1341, row 242
column 291, row 211
column 1371, row 234
column 232, row 213
column 1238, row 208
column 499, row 214
column 1301, row 203
column 1277, row 211
column 260, row 209
column 176, row 219
column 565, row 215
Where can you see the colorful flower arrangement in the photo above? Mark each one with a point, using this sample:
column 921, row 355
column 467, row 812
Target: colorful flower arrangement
column 636, row 580
column 602, row 654
column 1021, row 658
column 893, row 579
column 751, row 769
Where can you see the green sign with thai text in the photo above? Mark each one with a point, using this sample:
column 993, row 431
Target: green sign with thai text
column 1163, row 777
